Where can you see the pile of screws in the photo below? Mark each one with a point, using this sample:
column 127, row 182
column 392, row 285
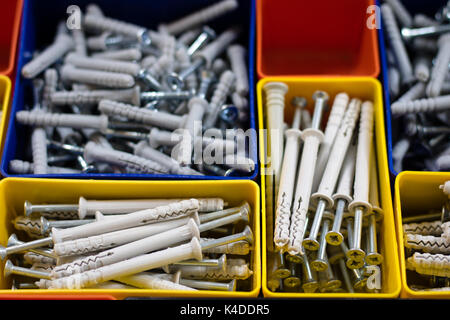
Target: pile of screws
column 327, row 200
column 172, row 244
column 418, row 57
column 427, row 248
column 114, row 97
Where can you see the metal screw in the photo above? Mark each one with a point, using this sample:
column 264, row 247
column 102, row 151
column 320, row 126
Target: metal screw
column 310, row 284
column 205, row 36
column 11, row 269
column 209, row 285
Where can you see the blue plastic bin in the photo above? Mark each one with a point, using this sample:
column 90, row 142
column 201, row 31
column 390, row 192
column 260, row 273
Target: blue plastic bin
column 38, row 28
column 392, row 131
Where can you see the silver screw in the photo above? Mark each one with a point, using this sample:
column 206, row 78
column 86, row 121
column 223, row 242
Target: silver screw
column 294, row 279
column 209, row 285
column 13, row 241
column 411, row 33
column 11, row 269
column 247, row 235
column 205, row 36
column 47, row 225
column 281, row 271
column 320, row 263
column 310, row 284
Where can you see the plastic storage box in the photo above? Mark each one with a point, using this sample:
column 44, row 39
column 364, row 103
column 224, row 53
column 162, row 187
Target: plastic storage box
column 38, row 29
column 364, row 88
column 11, row 15
column 14, row 191
column 315, row 38
column 416, row 193
column 392, row 131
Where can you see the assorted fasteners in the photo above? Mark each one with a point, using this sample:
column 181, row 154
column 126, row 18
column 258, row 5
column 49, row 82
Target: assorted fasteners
column 329, row 209
column 102, row 92
column 427, row 249
column 174, row 244
column 418, row 55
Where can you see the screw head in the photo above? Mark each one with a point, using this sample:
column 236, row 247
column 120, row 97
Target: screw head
column 174, row 81
column 319, row 265
column 292, row 282
column 249, row 234
column 299, row 102
column 12, row 240
column 310, row 287
column 282, row 273
column 334, row 238
column 27, row 208
column 354, row 264
column 232, row 285
column 374, row 258
column 229, row 114
column 210, row 32
column 319, row 94
column 356, row 254
column 8, row 268
column 311, row 244
column 294, row 258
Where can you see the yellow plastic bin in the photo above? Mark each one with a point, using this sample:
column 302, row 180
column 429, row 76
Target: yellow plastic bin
column 365, row 88
column 5, row 96
column 417, row 193
column 14, row 191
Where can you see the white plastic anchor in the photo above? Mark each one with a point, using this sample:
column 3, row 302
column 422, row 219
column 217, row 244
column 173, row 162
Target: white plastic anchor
column 275, row 95
column 90, row 63
column 417, row 91
column 32, row 257
column 199, row 17
column 287, row 179
column 134, row 113
column 432, row 228
column 191, row 250
column 89, row 208
column 323, row 197
column 343, row 196
column 440, row 67
column 95, row 153
column 422, row 68
column 360, row 203
column 129, row 54
column 116, row 238
column 436, row 104
column 312, row 138
column 397, row 44
column 446, row 230
column 166, row 212
column 63, row 44
column 429, row 244
column 236, row 54
column 399, row 152
column 128, row 267
column 334, row 121
column 50, row 86
column 69, row 120
column 102, row 23
column 445, row 187
column 144, row 150
column 430, row 264
column 129, row 250
column 70, row 73
column 239, row 272
column 401, row 13
column 131, row 96
column 223, row 89
column 193, row 128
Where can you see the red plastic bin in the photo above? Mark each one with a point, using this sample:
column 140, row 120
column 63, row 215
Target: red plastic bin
column 315, row 38
column 10, row 17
